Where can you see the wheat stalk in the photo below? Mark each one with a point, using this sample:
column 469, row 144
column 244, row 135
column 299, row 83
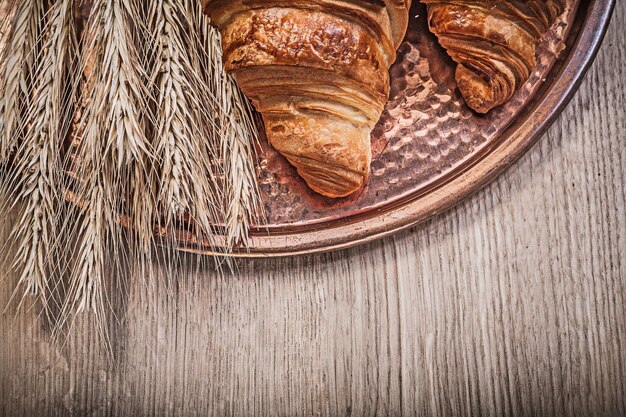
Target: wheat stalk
column 37, row 166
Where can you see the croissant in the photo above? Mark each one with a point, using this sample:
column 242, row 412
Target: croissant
column 318, row 72
column 493, row 42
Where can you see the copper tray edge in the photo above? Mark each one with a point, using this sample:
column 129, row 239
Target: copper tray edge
column 518, row 139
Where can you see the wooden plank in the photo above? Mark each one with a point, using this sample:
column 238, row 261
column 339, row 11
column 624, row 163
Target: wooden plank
column 512, row 304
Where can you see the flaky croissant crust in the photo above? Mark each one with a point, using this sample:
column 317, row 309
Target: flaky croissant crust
column 493, row 42
column 318, row 73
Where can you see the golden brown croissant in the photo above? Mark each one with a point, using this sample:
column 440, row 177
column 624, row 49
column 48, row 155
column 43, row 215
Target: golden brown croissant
column 318, row 72
column 493, row 42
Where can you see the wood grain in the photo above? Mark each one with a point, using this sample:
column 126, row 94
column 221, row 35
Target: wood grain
column 512, row 304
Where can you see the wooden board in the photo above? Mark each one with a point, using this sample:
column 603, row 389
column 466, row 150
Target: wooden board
column 513, row 304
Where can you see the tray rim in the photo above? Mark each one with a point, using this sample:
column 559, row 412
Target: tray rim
column 523, row 133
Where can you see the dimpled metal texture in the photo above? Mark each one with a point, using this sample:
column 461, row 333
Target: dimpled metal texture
column 425, row 135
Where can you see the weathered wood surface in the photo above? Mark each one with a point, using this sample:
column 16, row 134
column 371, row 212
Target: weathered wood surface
column 512, row 304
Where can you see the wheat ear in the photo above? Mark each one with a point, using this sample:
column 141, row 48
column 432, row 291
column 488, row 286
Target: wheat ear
column 7, row 14
column 186, row 179
column 237, row 135
column 16, row 89
column 37, row 164
column 243, row 205
column 112, row 153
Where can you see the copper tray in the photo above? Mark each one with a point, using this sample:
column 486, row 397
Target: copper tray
column 430, row 150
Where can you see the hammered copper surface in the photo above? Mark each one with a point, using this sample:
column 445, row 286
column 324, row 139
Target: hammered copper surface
column 426, row 133
column 426, row 137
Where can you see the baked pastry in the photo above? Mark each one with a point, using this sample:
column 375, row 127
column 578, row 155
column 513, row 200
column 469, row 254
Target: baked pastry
column 493, row 42
column 318, row 72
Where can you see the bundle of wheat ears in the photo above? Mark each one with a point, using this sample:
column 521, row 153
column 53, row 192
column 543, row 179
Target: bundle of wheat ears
column 113, row 126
